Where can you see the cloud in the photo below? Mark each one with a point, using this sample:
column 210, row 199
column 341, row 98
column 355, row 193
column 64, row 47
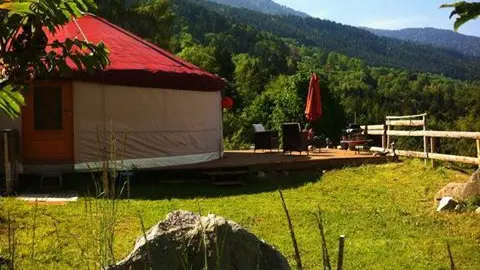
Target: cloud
column 395, row 23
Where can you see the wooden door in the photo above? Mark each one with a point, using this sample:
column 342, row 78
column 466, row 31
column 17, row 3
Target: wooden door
column 47, row 123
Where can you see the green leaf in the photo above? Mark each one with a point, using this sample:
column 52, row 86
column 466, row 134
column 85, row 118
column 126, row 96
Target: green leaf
column 24, row 56
column 11, row 100
column 466, row 12
column 17, row 7
column 462, row 20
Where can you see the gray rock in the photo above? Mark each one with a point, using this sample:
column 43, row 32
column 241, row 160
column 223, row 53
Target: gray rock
column 183, row 240
column 475, row 176
column 453, row 190
column 461, row 191
column 447, row 204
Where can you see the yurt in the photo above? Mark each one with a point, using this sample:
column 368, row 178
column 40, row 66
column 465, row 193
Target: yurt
column 160, row 110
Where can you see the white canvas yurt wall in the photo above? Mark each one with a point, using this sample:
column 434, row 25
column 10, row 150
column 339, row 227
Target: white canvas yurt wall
column 153, row 127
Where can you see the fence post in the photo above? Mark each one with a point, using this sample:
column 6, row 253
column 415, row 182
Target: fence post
column 478, row 151
column 388, row 136
column 433, row 149
column 341, row 247
column 384, row 137
column 425, row 138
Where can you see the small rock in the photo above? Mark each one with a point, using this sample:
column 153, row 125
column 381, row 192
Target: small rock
column 478, row 210
column 380, row 154
column 261, row 175
column 446, row 204
column 459, row 207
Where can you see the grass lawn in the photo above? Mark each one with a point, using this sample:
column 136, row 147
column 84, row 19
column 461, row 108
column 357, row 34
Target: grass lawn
column 385, row 211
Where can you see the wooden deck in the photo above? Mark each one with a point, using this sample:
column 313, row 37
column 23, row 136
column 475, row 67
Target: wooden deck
column 276, row 161
column 237, row 166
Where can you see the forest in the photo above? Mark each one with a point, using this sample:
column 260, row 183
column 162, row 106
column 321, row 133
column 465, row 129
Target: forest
column 268, row 73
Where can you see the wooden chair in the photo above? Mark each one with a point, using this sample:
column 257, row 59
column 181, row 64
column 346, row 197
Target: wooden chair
column 264, row 139
column 294, row 139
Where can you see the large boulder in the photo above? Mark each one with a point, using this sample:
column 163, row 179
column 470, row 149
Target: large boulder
column 453, row 190
column 472, row 187
column 185, row 240
column 461, row 191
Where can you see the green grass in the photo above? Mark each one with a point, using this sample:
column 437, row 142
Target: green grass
column 386, row 212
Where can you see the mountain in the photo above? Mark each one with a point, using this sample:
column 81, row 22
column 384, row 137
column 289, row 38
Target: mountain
column 468, row 45
column 265, row 6
column 203, row 17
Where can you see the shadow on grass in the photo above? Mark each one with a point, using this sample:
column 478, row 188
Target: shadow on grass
column 205, row 189
column 157, row 186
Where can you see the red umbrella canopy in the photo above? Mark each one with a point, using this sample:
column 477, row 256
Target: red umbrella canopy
column 313, row 109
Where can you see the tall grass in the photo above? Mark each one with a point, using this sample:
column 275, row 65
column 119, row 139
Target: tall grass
column 450, row 256
column 12, row 242
column 34, row 227
column 298, row 258
column 147, row 244
column 107, row 195
column 326, row 258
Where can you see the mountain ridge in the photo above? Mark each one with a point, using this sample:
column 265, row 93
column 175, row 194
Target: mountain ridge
column 348, row 40
column 265, row 6
column 441, row 38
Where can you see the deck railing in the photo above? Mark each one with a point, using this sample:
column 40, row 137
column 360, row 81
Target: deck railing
column 429, row 138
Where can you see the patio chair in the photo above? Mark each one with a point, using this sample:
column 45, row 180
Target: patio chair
column 294, row 139
column 264, row 139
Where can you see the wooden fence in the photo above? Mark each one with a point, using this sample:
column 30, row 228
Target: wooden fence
column 387, row 131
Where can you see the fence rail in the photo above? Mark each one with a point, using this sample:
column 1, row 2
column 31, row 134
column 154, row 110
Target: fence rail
column 426, row 133
column 410, row 123
column 386, row 131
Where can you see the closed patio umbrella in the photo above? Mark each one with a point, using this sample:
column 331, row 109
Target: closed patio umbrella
column 313, row 109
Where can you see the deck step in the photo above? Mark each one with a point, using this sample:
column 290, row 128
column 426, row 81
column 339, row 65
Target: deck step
column 228, row 183
column 58, row 176
column 227, row 178
column 226, row 173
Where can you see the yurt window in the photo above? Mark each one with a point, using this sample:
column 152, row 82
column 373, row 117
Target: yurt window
column 47, row 104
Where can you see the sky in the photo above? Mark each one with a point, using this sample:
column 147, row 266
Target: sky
column 383, row 14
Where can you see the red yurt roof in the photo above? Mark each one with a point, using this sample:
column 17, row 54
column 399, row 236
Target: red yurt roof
column 134, row 61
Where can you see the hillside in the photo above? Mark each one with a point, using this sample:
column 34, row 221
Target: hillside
column 331, row 36
column 468, row 45
column 446, row 39
column 265, row 6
